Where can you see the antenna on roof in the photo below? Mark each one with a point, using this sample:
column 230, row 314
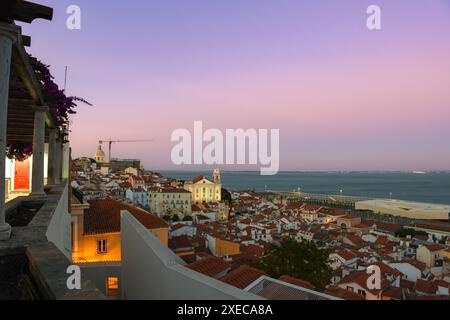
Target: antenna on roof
column 65, row 79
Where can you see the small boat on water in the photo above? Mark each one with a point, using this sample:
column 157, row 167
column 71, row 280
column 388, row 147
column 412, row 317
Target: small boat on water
column 419, row 172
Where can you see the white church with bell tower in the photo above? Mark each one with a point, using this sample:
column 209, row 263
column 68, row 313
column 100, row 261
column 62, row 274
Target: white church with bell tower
column 204, row 190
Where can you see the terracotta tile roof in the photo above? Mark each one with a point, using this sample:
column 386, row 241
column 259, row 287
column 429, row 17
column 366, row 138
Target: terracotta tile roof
column 210, row 266
column 434, row 247
column 177, row 226
column 357, row 241
column 443, row 284
column 180, row 242
column 332, row 212
column 172, row 190
column 198, row 179
column 407, row 284
column 196, row 208
column 103, row 216
column 252, row 252
column 347, row 255
column 382, row 240
column 361, row 226
column 311, row 207
column 189, row 258
column 243, row 276
column 292, row 206
column 385, row 269
column 343, row 294
column 418, row 264
column 297, row 282
column 259, row 217
column 186, row 242
column 426, row 286
column 390, row 227
column 360, row 278
column 393, row 293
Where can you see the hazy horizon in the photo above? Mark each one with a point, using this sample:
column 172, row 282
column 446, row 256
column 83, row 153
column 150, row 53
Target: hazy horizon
column 299, row 171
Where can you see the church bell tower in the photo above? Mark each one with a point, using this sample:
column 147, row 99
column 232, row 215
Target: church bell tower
column 216, row 176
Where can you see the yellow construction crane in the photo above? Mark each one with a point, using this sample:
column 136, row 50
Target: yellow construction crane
column 110, row 142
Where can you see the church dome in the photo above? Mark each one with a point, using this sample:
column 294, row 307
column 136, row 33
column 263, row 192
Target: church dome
column 99, row 155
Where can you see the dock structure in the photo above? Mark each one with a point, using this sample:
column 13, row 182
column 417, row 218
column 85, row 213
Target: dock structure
column 336, row 201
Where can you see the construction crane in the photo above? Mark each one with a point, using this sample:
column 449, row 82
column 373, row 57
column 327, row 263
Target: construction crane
column 110, row 142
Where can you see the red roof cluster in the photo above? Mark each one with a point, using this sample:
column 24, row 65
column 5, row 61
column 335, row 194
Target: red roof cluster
column 210, row 266
column 243, row 276
column 343, row 294
column 434, row 247
column 297, row 282
column 103, row 216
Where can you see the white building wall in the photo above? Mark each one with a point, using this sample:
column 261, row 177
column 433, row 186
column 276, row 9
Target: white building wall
column 186, row 231
column 160, row 275
column 211, row 243
column 412, row 273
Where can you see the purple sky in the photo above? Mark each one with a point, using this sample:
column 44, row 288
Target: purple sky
column 343, row 97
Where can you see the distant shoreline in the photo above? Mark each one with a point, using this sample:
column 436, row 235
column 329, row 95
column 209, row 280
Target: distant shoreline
column 433, row 187
column 306, row 171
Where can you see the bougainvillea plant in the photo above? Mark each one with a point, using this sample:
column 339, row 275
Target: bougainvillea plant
column 19, row 151
column 60, row 105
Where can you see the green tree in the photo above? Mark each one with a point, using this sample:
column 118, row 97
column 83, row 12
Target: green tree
column 167, row 217
column 226, row 195
column 187, row 218
column 403, row 233
column 175, row 218
column 303, row 260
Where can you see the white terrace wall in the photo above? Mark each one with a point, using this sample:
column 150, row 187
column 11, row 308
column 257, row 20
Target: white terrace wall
column 150, row 271
column 60, row 229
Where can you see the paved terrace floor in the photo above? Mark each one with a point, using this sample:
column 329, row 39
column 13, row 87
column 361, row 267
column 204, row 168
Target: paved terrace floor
column 46, row 265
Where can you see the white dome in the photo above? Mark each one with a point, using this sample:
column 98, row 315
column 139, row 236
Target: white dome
column 99, row 155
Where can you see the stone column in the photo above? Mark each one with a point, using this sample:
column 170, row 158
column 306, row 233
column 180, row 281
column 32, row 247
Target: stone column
column 51, row 174
column 37, row 182
column 7, row 38
column 58, row 161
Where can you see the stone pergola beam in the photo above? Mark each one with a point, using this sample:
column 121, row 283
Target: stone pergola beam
column 24, row 11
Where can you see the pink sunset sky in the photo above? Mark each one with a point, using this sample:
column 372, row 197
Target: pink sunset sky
column 343, row 97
